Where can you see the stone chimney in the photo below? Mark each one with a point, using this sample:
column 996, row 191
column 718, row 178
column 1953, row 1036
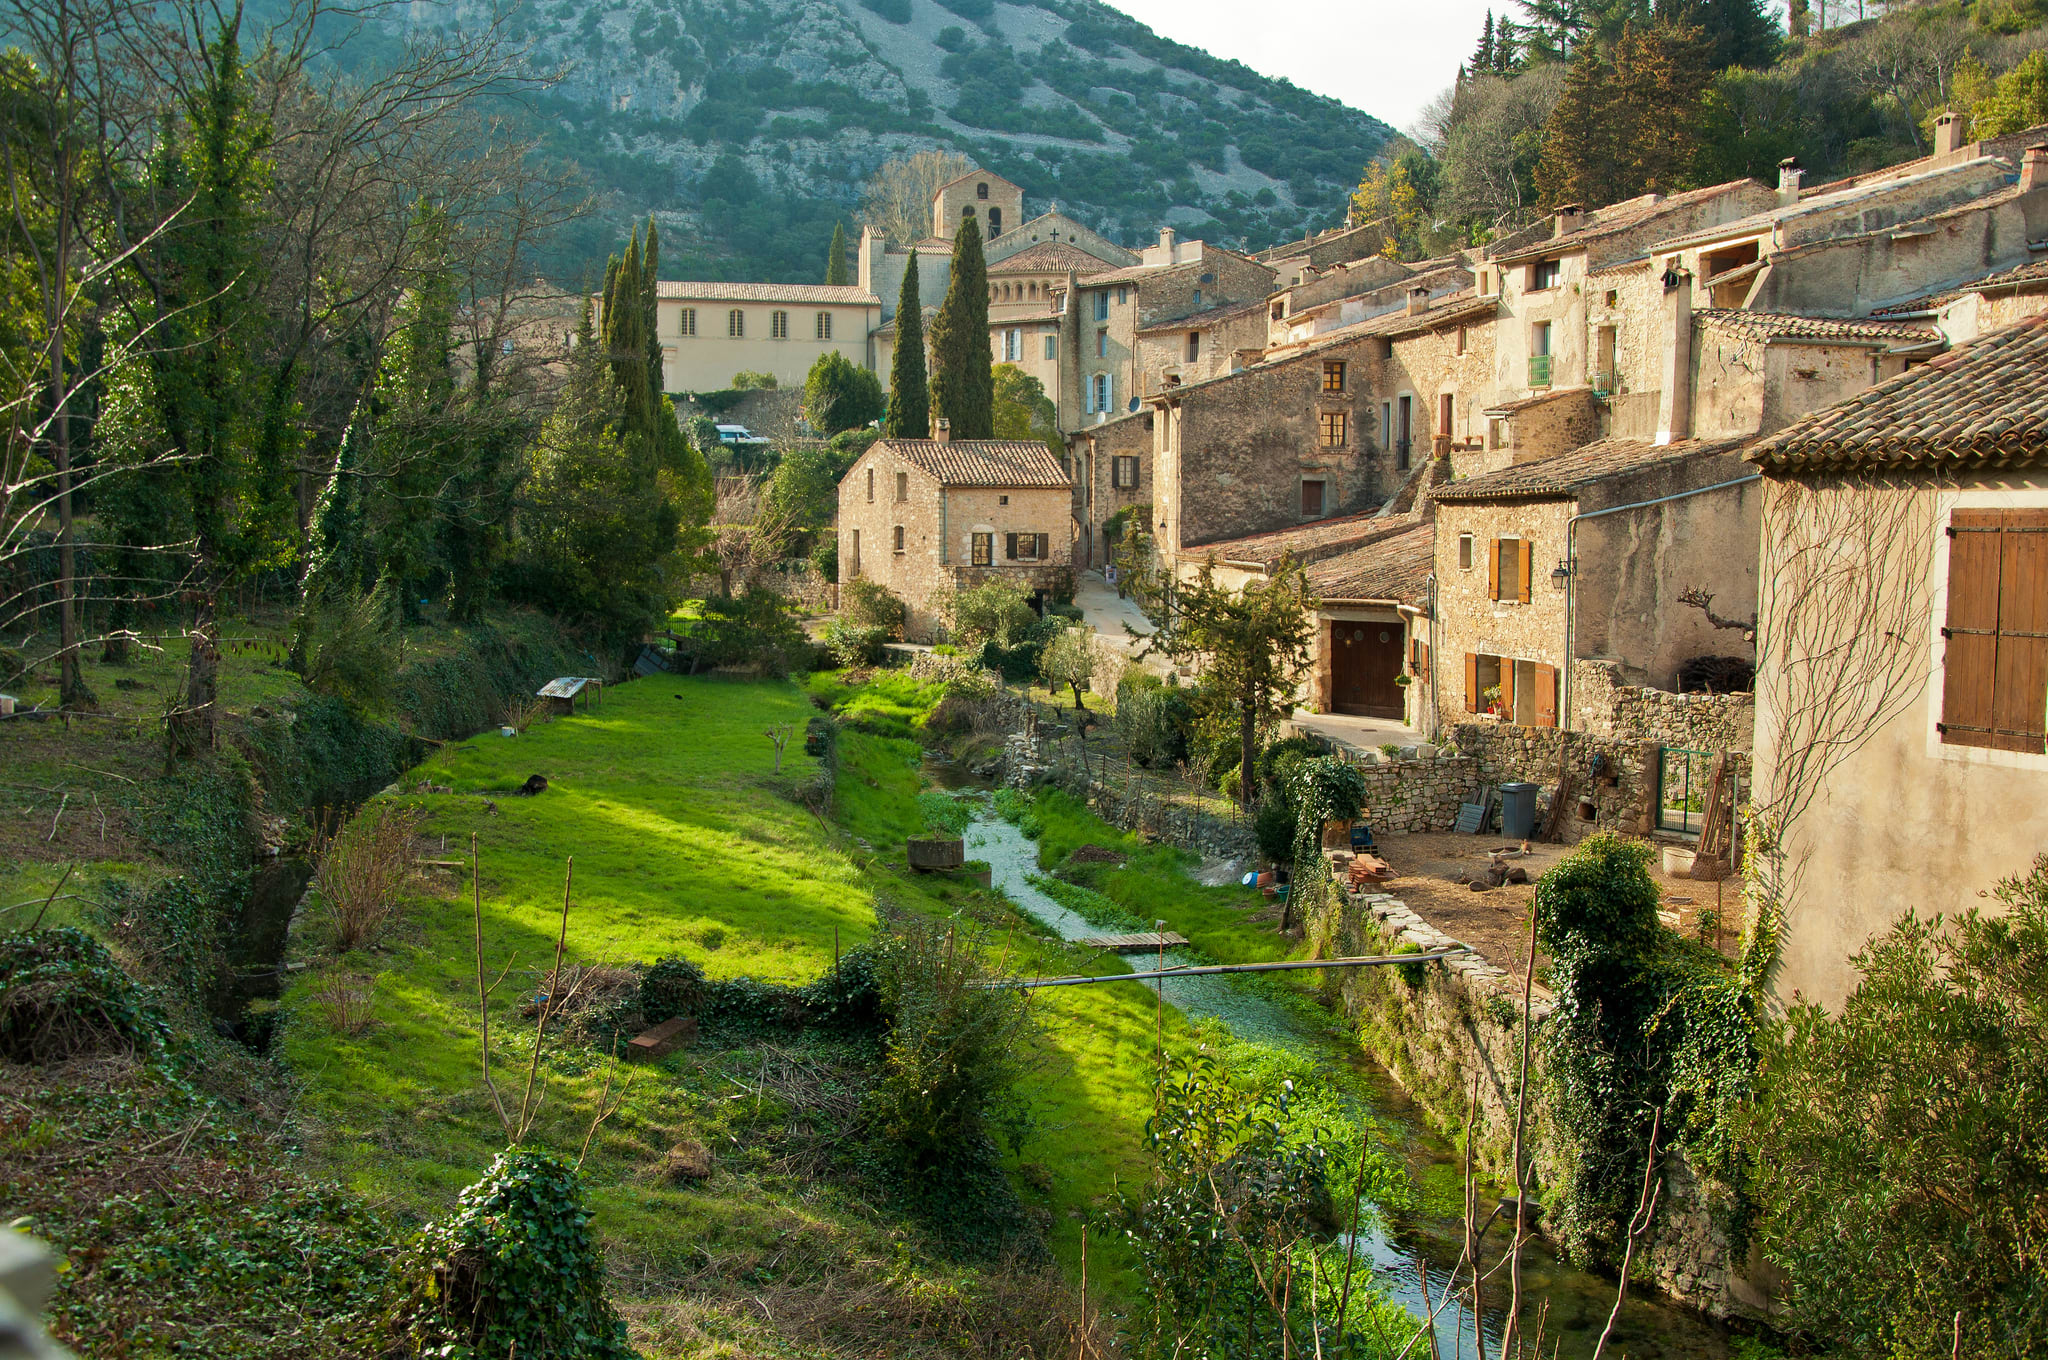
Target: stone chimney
column 1674, row 402
column 2034, row 169
column 1418, row 300
column 942, row 431
column 1570, row 217
column 1168, row 245
column 1948, row 135
column 1789, row 175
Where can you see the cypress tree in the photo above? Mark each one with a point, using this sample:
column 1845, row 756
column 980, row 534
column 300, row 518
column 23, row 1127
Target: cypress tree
column 835, row 259
column 910, row 403
column 963, row 374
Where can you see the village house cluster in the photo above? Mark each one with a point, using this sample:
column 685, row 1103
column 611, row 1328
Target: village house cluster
column 1781, row 439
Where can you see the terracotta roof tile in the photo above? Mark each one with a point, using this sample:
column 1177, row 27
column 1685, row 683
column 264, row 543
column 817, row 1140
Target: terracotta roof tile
column 804, row 294
column 1617, row 218
column 1046, row 256
column 1561, row 477
column 1302, row 540
column 2021, row 278
column 983, row 462
column 1983, row 404
column 1395, row 567
column 1140, row 273
column 1503, row 409
column 1768, row 326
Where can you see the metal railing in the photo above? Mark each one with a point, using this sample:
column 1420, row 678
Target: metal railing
column 1539, row 370
column 1607, row 383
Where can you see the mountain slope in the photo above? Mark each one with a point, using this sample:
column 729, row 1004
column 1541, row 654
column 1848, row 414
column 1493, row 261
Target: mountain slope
column 750, row 125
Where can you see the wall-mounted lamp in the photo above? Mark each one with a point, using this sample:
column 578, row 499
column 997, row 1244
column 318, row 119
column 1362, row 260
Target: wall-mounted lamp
column 1561, row 576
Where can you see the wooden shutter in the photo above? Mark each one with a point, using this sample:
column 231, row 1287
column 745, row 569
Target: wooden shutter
column 1507, row 690
column 1044, row 547
column 1546, row 696
column 1010, row 546
column 1471, row 682
column 1995, row 664
column 1528, row 555
column 1493, row 569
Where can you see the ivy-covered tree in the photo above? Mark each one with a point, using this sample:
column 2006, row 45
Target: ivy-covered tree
column 963, row 383
column 910, row 403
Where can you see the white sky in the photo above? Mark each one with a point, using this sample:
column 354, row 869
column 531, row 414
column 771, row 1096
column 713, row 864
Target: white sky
column 1387, row 57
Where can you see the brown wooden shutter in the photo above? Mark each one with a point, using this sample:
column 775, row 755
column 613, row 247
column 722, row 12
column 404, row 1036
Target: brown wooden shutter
column 1546, row 696
column 1507, row 690
column 1493, row 570
column 1010, row 546
column 1528, row 555
column 1995, row 662
column 1045, row 547
column 1471, row 682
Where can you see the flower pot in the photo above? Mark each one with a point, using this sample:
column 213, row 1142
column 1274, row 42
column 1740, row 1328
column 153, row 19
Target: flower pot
column 1678, row 861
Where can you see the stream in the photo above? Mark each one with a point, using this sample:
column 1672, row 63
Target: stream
column 1578, row 1303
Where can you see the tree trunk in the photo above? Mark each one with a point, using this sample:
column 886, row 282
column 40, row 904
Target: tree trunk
column 1079, row 707
column 1248, row 751
column 71, row 690
column 192, row 727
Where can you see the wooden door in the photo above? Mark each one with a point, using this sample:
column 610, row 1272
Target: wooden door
column 1365, row 658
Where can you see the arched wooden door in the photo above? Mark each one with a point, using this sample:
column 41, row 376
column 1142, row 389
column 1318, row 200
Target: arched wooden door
column 1365, row 658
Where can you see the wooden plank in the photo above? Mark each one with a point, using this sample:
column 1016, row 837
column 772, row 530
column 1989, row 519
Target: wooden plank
column 664, row 1039
column 1710, row 817
column 1144, row 939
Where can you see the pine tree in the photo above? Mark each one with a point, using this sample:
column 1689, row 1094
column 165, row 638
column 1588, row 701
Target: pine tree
column 963, row 383
column 1580, row 158
column 835, row 259
column 1630, row 126
column 1507, row 47
column 910, row 402
column 1737, row 32
column 1482, row 56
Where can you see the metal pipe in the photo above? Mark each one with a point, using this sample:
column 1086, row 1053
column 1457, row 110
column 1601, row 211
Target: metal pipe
column 1571, row 580
column 1207, row 969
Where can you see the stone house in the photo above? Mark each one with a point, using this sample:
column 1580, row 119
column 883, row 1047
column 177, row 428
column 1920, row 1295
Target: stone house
column 710, row 331
column 1991, row 303
column 1173, row 281
column 1582, row 557
column 1902, row 682
column 1297, row 261
column 926, row 516
column 1112, row 465
column 1359, row 292
column 1202, row 345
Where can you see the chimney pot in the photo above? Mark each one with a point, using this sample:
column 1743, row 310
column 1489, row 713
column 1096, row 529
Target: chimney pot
column 1418, row 300
column 942, row 431
column 1789, row 177
column 1948, row 134
column 1569, row 216
column 2034, row 169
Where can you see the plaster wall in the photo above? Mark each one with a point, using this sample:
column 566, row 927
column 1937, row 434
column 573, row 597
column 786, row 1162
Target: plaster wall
column 707, row 361
column 1900, row 820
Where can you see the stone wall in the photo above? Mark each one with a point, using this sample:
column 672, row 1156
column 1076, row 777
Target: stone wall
column 1460, row 1021
column 1605, row 706
column 1620, row 795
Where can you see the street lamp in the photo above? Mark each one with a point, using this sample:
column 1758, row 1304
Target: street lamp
column 1561, row 576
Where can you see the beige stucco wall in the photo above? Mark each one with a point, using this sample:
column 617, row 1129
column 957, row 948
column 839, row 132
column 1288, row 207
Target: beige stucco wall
column 707, row 361
column 939, row 524
column 1897, row 820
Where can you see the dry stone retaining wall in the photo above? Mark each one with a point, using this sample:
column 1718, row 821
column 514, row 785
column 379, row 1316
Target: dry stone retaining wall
column 1605, row 707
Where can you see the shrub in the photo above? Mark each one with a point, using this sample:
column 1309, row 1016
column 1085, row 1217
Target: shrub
column 670, row 988
column 1901, row 1147
column 1274, row 828
column 1281, row 761
column 516, row 1271
column 351, row 650
column 944, row 815
column 363, row 868
column 994, row 611
column 1153, row 719
column 62, row 996
column 872, row 605
column 752, row 630
column 853, row 644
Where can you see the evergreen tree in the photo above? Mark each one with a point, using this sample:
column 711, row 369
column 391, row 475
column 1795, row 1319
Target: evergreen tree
column 1482, row 56
column 420, row 444
column 1630, row 126
column 962, row 385
column 1555, row 27
column 835, row 259
column 1737, row 32
column 1507, row 47
column 631, row 342
column 910, row 402
column 1579, row 163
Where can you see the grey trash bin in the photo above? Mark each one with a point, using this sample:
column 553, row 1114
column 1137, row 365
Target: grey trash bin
column 1517, row 811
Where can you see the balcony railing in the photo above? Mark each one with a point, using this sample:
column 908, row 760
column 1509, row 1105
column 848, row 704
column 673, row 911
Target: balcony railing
column 1539, row 370
column 1606, row 384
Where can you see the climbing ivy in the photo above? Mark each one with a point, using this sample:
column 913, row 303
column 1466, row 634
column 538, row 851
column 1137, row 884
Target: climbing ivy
column 1645, row 1021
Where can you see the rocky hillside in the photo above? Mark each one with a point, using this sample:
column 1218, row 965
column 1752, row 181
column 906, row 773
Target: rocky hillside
column 749, row 125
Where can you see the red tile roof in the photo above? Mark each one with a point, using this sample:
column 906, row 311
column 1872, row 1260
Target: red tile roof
column 2019, row 279
column 805, row 294
column 1561, row 477
column 983, row 462
column 1768, row 326
column 1617, row 218
column 1047, row 257
column 1983, row 404
column 1301, row 540
column 1395, row 567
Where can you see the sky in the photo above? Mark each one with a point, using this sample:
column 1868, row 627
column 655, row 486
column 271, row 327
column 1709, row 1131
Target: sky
column 1386, row 57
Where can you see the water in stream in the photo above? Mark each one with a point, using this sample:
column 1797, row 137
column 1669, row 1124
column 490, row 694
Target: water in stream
column 1578, row 1303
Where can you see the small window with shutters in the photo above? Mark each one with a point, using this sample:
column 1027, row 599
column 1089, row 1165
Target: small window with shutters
column 1508, row 569
column 1994, row 671
column 984, row 549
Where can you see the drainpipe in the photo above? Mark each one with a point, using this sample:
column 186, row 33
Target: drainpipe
column 945, row 537
column 1571, row 588
column 1429, row 599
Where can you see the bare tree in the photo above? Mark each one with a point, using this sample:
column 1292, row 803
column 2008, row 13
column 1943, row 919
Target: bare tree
column 897, row 199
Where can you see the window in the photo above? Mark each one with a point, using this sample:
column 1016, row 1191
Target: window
column 856, row 549
column 1099, row 392
column 995, row 223
column 1539, row 338
column 1031, row 290
column 1336, row 428
column 1102, row 306
column 967, row 212
column 984, row 553
column 686, row 322
column 1333, row 375
column 1102, row 344
column 1404, row 431
column 898, row 535
column 981, row 191
column 1386, row 420
column 1027, row 547
column 778, row 325
column 505, row 346
column 1464, row 552
column 1311, row 500
column 1052, row 347
column 1461, row 340
column 1123, row 472
column 1523, row 692
column 1445, row 405
column 1280, row 311
column 1544, row 274
column 824, row 325
column 1198, row 299
column 736, row 323
column 902, row 487
column 1194, row 346
column 1013, row 345
column 1995, row 655
column 871, row 486
column 1508, row 572
column 1120, row 295
column 1002, row 500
